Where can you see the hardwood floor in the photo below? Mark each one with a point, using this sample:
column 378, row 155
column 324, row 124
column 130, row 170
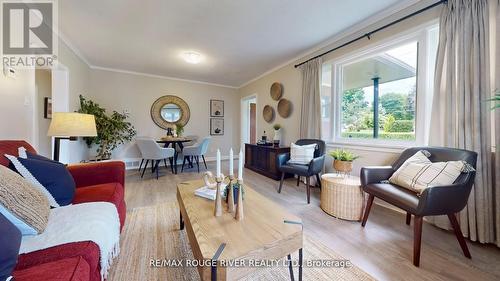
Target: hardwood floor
column 383, row 248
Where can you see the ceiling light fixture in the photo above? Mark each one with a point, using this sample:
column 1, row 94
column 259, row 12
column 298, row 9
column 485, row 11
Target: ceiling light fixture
column 192, row 57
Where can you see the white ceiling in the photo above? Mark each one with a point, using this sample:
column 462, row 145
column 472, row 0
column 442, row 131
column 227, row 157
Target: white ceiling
column 239, row 39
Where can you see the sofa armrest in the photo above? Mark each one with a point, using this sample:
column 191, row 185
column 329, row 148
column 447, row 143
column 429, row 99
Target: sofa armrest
column 375, row 174
column 316, row 165
column 98, row 173
column 86, row 249
column 445, row 199
column 282, row 159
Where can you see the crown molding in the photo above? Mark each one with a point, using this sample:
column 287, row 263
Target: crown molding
column 160, row 76
column 343, row 35
column 73, row 48
column 80, row 55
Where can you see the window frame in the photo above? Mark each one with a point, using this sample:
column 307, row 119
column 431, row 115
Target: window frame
column 425, row 80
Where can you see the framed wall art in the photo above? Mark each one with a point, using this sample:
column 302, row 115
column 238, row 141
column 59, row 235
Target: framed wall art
column 216, row 108
column 216, row 126
column 47, row 108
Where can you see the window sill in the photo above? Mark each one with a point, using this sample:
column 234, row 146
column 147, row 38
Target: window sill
column 388, row 148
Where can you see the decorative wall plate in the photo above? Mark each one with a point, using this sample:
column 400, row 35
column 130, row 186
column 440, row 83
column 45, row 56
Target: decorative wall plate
column 276, row 91
column 268, row 113
column 284, row 108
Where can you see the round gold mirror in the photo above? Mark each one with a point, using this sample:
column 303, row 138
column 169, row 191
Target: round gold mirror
column 170, row 110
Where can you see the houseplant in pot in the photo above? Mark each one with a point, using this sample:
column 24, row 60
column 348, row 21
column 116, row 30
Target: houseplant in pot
column 179, row 129
column 342, row 160
column 277, row 134
column 112, row 130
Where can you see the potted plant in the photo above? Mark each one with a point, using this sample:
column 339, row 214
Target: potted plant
column 495, row 100
column 277, row 134
column 179, row 129
column 112, row 130
column 343, row 160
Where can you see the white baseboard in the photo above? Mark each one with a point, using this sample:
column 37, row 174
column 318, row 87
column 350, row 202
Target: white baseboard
column 133, row 163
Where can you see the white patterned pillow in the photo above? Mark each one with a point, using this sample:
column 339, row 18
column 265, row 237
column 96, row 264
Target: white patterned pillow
column 418, row 173
column 301, row 154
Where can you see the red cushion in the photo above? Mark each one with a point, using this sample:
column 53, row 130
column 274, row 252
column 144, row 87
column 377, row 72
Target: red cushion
column 74, row 269
column 108, row 192
column 10, row 147
column 87, row 250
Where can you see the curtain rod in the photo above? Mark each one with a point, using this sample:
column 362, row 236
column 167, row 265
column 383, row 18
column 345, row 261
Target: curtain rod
column 369, row 34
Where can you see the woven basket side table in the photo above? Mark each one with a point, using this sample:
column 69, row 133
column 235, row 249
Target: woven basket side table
column 342, row 196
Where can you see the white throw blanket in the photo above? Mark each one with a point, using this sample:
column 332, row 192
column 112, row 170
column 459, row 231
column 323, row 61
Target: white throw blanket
column 97, row 222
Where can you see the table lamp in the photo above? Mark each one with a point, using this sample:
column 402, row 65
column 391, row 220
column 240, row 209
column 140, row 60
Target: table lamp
column 69, row 126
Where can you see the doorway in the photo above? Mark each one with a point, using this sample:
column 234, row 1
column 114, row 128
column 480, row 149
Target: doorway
column 249, row 119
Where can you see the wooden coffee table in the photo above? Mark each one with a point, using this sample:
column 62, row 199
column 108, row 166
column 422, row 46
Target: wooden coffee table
column 267, row 232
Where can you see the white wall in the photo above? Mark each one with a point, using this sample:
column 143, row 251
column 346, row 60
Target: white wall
column 79, row 82
column 136, row 93
column 290, row 77
column 17, row 100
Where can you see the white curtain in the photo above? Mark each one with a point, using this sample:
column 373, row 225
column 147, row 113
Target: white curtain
column 460, row 117
column 310, row 118
column 497, row 124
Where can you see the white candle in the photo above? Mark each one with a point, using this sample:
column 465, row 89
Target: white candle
column 218, row 163
column 240, row 165
column 231, row 161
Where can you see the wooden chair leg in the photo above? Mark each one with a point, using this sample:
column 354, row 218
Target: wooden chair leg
column 417, row 239
column 459, row 235
column 152, row 166
column 140, row 165
column 367, row 209
column 204, row 162
column 408, row 218
column 198, row 163
column 318, row 179
column 308, row 186
column 183, row 163
column 157, row 168
column 145, row 167
column 165, row 163
column 281, row 181
column 298, row 180
column 171, row 160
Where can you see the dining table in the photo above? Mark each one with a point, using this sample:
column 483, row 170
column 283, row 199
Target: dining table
column 174, row 142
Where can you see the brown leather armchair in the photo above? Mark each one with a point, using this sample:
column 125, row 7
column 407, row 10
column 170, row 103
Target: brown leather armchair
column 438, row 200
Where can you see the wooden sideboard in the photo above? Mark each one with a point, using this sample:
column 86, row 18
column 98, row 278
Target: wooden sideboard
column 263, row 159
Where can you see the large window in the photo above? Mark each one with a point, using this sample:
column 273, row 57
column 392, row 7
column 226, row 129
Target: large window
column 380, row 95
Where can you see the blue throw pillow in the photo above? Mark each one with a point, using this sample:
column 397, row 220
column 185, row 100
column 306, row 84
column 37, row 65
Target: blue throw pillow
column 10, row 241
column 40, row 157
column 50, row 177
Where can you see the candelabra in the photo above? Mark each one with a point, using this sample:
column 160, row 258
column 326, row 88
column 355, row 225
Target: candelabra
column 239, row 208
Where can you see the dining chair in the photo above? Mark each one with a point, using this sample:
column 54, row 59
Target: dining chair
column 152, row 151
column 195, row 151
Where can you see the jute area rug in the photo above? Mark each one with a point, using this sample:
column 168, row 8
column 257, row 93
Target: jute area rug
column 152, row 233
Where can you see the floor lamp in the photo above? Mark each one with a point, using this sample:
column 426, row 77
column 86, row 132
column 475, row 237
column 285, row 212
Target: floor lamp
column 70, row 126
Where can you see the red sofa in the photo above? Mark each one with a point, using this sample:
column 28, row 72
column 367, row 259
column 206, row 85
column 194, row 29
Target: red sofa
column 73, row 261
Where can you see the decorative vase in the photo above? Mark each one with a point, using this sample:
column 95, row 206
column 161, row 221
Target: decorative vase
column 170, row 132
column 342, row 166
column 277, row 137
